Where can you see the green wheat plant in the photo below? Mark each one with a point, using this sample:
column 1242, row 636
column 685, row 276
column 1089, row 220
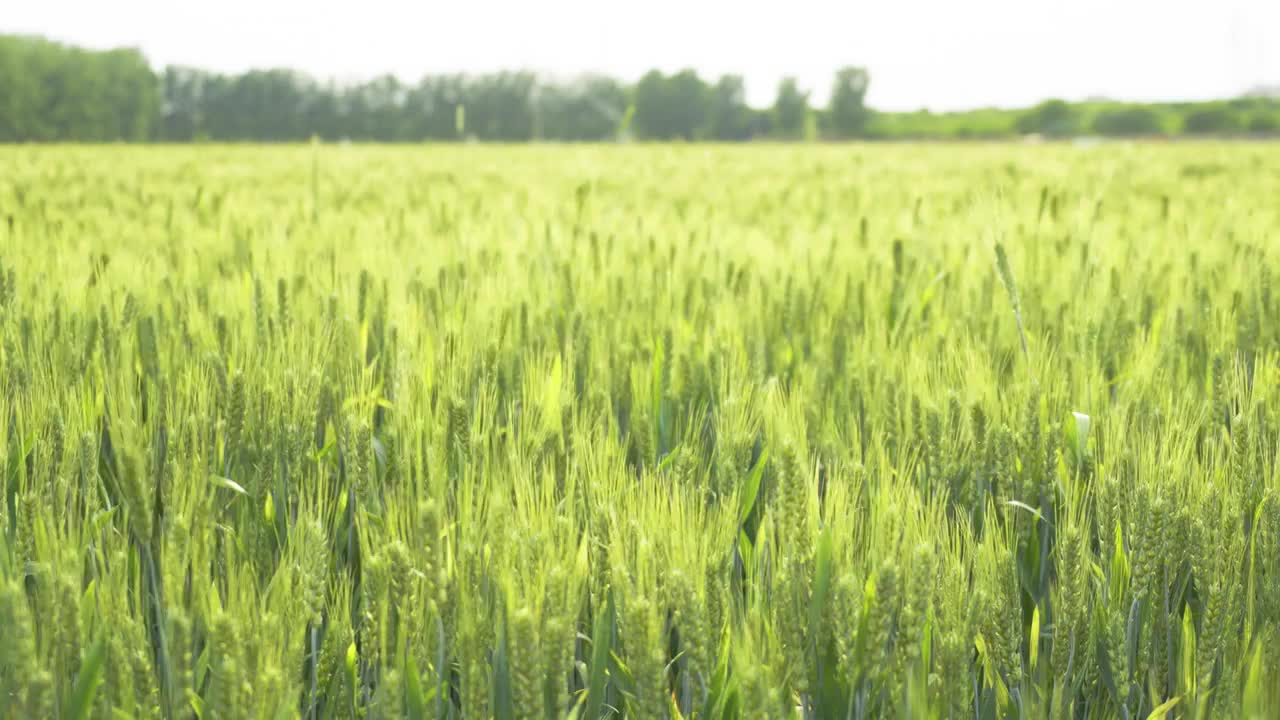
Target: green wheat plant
column 639, row 432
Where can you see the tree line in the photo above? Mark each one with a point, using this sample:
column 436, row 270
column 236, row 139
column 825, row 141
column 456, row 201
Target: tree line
column 53, row 92
column 50, row 91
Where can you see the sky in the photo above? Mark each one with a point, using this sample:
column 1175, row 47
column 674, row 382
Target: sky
column 936, row 54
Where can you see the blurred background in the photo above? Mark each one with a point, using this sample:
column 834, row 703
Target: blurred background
column 573, row 70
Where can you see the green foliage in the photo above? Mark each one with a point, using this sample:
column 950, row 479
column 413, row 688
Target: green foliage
column 53, row 92
column 1052, row 118
column 669, row 432
column 847, row 114
column 729, row 117
column 1133, row 121
column 1213, row 119
column 790, row 111
column 674, row 107
column 1265, row 123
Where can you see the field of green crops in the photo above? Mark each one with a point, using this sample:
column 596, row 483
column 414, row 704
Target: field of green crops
column 646, row 432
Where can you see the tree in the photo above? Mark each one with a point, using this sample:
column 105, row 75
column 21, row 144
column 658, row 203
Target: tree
column 263, row 105
column 588, row 109
column 669, row 108
column 180, row 113
column 690, row 96
column 1213, row 119
column 133, row 93
column 384, row 101
column 1052, row 118
column 432, row 105
column 50, row 91
column 652, row 115
column 322, row 112
column 790, row 110
column 1265, row 123
column 729, row 116
column 22, row 92
column 1128, row 122
column 847, row 114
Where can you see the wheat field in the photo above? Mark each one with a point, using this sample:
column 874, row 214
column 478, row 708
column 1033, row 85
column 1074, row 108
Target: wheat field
column 917, row 431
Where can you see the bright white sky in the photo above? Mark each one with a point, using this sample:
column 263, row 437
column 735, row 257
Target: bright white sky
column 941, row 54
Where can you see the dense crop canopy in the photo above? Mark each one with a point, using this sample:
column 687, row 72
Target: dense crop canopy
column 936, row 432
